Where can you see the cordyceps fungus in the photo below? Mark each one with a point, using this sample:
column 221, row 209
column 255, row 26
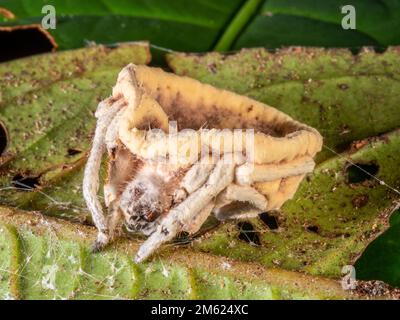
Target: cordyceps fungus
column 181, row 150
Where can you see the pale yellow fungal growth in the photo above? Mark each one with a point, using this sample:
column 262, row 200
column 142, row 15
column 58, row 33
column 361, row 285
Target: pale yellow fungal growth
column 180, row 150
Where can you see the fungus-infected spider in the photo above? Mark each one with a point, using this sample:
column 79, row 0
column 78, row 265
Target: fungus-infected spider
column 161, row 191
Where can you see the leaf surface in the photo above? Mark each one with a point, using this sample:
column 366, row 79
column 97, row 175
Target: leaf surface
column 48, row 258
column 47, row 107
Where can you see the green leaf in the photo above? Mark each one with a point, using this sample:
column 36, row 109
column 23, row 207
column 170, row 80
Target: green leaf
column 47, row 105
column 178, row 24
column 201, row 25
column 52, row 261
column 310, row 23
column 381, row 260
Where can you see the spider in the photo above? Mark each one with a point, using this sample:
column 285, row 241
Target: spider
column 160, row 193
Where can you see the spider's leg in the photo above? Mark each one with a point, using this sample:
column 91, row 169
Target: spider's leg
column 195, row 224
column 105, row 113
column 112, row 132
column 182, row 214
column 248, row 173
column 113, row 220
column 195, row 177
column 111, row 141
column 251, row 203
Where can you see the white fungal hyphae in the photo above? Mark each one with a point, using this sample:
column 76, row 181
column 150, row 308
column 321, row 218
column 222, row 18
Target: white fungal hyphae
column 180, row 150
column 49, row 277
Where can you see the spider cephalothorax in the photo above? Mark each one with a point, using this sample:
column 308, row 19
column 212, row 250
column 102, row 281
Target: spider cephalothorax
column 226, row 155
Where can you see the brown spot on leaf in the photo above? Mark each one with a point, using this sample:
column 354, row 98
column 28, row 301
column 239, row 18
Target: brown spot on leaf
column 357, row 145
column 360, row 201
column 212, row 67
column 344, row 130
column 72, row 152
column 7, row 13
column 313, row 228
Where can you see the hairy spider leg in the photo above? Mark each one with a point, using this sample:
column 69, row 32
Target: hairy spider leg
column 106, row 112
